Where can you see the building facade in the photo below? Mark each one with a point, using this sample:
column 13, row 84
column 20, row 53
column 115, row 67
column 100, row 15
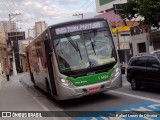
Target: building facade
column 13, row 41
column 3, row 51
column 6, row 26
column 40, row 26
column 31, row 33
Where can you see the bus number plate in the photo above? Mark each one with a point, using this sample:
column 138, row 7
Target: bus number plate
column 92, row 90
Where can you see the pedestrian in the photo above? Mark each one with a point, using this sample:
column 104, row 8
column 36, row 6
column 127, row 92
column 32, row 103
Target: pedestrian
column 7, row 71
column 9, row 68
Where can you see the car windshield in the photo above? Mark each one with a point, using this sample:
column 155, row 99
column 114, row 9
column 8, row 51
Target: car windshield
column 85, row 50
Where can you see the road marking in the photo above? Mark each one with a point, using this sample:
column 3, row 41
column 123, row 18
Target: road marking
column 136, row 96
column 43, row 106
column 138, row 111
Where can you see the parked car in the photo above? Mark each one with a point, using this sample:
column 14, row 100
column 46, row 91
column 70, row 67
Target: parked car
column 144, row 70
column 157, row 53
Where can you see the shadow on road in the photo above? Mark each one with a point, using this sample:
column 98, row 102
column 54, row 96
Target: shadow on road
column 151, row 90
column 83, row 102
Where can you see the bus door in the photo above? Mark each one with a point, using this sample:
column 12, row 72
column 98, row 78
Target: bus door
column 50, row 67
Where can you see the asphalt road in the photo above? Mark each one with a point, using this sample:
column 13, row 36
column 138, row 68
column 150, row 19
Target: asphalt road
column 122, row 99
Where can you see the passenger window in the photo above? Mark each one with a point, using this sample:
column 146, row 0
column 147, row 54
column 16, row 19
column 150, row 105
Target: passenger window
column 142, row 61
column 152, row 61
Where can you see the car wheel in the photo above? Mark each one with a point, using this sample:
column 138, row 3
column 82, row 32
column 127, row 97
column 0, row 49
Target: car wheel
column 134, row 85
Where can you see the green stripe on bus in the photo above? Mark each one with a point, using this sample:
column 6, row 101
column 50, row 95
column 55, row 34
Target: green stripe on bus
column 91, row 79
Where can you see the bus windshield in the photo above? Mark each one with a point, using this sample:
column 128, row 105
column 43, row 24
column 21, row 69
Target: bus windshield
column 86, row 50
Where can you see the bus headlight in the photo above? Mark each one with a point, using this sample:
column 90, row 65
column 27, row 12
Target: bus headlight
column 66, row 82
column 115, row 73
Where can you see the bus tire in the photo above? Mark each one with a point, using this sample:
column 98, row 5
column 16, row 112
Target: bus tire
column 48, row 89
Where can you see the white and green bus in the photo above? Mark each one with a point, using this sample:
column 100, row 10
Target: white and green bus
column 75, row 59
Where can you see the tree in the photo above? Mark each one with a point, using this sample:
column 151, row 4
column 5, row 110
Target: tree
column 147, row 9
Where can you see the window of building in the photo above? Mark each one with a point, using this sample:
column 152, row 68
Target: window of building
column 142, row 47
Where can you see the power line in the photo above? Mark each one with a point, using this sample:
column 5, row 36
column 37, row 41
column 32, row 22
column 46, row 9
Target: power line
column 81, row 6
column 10, row 6
column 6, row 7
column 15, row 6
column 86, row 5
column 12, row 11
column 90, row 3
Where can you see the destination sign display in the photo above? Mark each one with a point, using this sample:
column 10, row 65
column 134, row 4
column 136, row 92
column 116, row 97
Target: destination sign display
column 79, row 27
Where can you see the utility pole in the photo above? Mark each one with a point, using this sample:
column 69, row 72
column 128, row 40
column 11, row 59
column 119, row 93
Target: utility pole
column 81, row 14
column 11, row 16
column 117, row 36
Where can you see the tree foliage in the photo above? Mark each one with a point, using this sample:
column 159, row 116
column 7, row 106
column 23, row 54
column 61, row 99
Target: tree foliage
column 148, row 9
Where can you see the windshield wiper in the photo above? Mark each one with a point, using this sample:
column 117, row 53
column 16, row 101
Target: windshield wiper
column 79, row 51
column 58, row 43
column 73, row 44
column 93, row 46
column 93, row 42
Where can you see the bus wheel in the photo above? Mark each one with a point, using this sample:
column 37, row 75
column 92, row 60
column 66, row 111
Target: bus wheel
column 48, row 89
column 134, row 85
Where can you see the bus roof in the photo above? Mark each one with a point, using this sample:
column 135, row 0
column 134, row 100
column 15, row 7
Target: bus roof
column 76, row 21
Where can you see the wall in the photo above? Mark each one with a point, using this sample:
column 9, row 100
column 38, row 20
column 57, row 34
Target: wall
column 3, row 51
column 156, row 40
column 135, row 39
column 124, row 42
column 2, row 38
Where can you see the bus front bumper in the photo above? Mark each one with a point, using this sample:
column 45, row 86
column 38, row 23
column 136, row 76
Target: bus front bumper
column 76, row 92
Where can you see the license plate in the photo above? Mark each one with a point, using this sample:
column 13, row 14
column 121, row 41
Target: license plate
column 92, row 90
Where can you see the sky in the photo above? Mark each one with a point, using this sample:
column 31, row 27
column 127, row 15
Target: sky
column 51, row 11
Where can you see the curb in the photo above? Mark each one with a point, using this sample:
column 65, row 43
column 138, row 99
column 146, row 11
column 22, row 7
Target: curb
column 24, row 80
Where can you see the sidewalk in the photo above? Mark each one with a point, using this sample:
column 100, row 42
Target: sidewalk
column 16, row 97
column 13, row 96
